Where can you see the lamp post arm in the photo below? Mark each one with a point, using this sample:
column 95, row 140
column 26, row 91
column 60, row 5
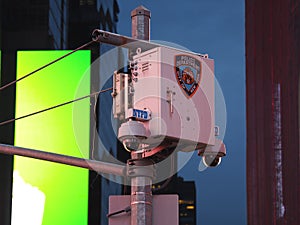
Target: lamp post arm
column 98, row 166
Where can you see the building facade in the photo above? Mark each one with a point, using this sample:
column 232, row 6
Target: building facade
column 272, row 82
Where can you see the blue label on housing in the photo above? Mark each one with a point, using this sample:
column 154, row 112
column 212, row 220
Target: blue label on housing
column 141, row 114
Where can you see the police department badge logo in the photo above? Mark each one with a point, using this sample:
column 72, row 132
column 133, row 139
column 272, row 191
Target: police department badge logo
column 188, row 73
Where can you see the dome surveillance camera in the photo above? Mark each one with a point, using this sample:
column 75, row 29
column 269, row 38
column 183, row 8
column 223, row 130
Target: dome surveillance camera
column 211, row 155
column 131, row 143
column 211, row 160
column 131, row 135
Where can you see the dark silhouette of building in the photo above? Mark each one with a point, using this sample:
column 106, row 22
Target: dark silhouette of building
column 272, row 81
column 186, row 191
column 187, row 201
column 42, row 25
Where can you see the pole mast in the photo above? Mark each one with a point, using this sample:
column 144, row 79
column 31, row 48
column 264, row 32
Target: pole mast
column 141, row 194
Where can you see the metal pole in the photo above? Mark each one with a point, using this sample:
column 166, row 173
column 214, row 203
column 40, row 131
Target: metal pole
column 140, row 23
column 98, row 166
column 106, row 37
column 141, row 194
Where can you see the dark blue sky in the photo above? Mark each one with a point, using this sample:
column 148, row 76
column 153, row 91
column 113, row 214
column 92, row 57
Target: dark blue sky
column 217, row 28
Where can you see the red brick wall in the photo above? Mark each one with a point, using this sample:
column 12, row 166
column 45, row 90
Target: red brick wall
column 272, row 81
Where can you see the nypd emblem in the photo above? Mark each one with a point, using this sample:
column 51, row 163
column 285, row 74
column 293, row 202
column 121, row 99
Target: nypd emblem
column 188, row 73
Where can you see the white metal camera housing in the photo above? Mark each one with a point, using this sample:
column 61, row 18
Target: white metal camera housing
column 176, row 87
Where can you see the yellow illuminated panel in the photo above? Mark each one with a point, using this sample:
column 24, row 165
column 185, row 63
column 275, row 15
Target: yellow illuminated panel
column 47, row 193
column 190, row 207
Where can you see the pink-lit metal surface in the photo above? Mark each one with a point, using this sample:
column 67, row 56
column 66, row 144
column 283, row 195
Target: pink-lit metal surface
column 273, row 68
column 177, row 115
column 165, row 210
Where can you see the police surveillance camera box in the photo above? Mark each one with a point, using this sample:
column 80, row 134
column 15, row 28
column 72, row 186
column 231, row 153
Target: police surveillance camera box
column 177, row 87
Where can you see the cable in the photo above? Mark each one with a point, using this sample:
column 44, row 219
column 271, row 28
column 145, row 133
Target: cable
column 53, row 107
column 126, row 210
column 48, row 64
column 95, row 127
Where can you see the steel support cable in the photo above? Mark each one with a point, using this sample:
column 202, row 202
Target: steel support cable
column 55, row 106
column 125, row 210
column 46, row 65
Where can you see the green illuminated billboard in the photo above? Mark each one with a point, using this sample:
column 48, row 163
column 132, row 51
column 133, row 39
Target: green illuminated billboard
column 47, row 193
